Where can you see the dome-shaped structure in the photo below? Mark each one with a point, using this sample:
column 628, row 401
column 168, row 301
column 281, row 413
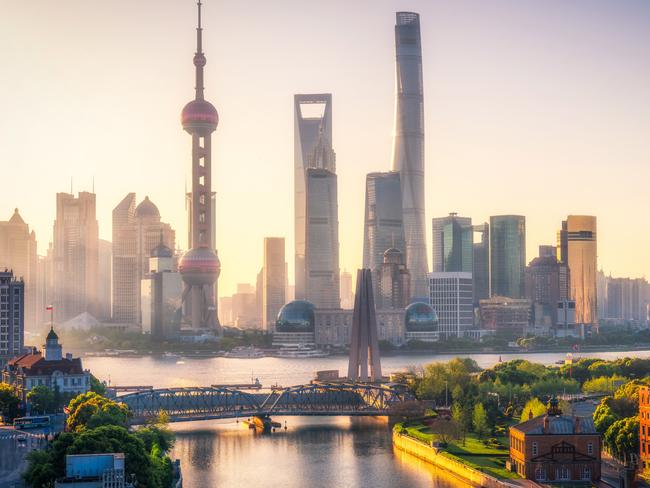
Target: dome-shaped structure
column 51, row 335
column 420, row 317
column 199, row 116
column 296, row 316
column 147, row 209
column 161, row 251
column 393, row 256
column 199, row 266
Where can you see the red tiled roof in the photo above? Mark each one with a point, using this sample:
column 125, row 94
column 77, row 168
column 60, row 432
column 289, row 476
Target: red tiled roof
column 36, row 365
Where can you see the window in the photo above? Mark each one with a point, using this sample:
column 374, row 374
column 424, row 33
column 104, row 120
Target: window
column 590, row 446
column 540, row 474
column 586, row 473
column 534, row 448
column 562, row 473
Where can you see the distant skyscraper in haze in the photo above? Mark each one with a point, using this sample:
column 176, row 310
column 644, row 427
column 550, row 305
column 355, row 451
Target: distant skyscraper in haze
column 408, row 145
column 76, row 256
column 273, row 281
column 481, row 263
column 200, row 266
column 508, row 255
column 347, row 297
column 136, row 232
column 18, row 253
column 316, row 202
column 452, row 244
column 581, row 258
column 104, row 283
column 382, row 222
column 394, row 281
column 451, row 296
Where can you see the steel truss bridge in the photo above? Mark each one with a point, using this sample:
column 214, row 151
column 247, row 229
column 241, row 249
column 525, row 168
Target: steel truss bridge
column 324, row 399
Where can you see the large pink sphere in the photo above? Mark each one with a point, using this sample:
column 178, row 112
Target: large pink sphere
column 199, row 266
column 199, row 116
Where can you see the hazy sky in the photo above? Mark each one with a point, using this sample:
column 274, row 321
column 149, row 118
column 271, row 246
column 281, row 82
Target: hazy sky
column 540, row 108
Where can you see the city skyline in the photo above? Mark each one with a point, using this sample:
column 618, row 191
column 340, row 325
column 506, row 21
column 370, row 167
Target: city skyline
column 69, row 149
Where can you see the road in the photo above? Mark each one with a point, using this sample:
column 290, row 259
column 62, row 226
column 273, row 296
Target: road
column 14, row 447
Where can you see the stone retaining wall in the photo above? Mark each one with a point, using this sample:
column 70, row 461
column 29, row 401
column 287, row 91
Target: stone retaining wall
column 434, row 456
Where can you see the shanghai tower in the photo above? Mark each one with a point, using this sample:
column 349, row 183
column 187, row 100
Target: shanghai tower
column 408, row 145
column 200, row 266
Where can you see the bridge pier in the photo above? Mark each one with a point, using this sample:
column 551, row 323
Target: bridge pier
column 263, row 424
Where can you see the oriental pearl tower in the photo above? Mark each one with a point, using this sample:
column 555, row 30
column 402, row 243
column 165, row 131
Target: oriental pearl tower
column 200, row 266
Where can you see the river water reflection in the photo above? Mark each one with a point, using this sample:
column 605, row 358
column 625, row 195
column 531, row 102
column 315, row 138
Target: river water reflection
column 313, row 451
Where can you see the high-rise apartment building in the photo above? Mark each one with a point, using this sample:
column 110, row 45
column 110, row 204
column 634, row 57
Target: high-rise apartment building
column 137, row 230
column 394, row 281
column 481, row 263
column 383, row 227
column 12, row 316
column 316, row 202
column 273, row 281
column 75, row 255
column 507, row 255
column 452, row 244
column 18, row 253
column 408, row 145
column 451, row 296
column 578, row 250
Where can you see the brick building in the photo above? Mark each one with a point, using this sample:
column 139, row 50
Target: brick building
column 556, row 448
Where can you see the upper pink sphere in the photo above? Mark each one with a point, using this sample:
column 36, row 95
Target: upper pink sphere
column 199, row 266
column 199, row 116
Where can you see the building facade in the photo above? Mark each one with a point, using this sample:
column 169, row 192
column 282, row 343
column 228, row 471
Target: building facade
column 644, row 428
column 383, row 227
column 507, row 255
column 481, row 263
column 578, row 249
column 76, row 256
column 545, row 285
column 18, row 253
column 451, row 296
column 408, row 145
column 316, row 202
column 161, row 296
column 49, row 368
column 556, row 448
column 322, row 256
column 136, row 231
column 452, row 244
column 393, row 281
column 333, row 327
column 273, row 281
column 12, row 316
column 509, row 316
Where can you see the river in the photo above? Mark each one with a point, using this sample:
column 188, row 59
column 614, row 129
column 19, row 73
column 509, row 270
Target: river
column 313, row 452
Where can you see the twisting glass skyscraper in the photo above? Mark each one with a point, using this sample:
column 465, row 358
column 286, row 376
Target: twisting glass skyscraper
column 408, row 144
column 316, row 202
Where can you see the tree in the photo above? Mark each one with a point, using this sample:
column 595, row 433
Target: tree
column 462, row 418
column 9, row 402
column 445, row 429
column 97, row 386
column 479, row 421
column 622, row 437
column 533, row 408
column 90, row 410
column 41, row 400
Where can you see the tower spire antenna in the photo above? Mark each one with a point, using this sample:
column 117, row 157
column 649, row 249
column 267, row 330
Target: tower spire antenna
column 199, row 57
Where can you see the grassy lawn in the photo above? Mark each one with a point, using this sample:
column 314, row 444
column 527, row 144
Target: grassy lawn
column 489, row 459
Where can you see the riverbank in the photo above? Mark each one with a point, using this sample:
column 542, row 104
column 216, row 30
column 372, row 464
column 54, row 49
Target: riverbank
column 441, row 459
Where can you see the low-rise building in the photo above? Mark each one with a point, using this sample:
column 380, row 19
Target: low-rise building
column 94, row 471
column 333, row 326
column 505, row 315
column 50, row 368
column 556, row 448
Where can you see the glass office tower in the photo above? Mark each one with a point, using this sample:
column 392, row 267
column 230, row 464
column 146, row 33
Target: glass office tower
column 452, row 243
column 508, row 255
